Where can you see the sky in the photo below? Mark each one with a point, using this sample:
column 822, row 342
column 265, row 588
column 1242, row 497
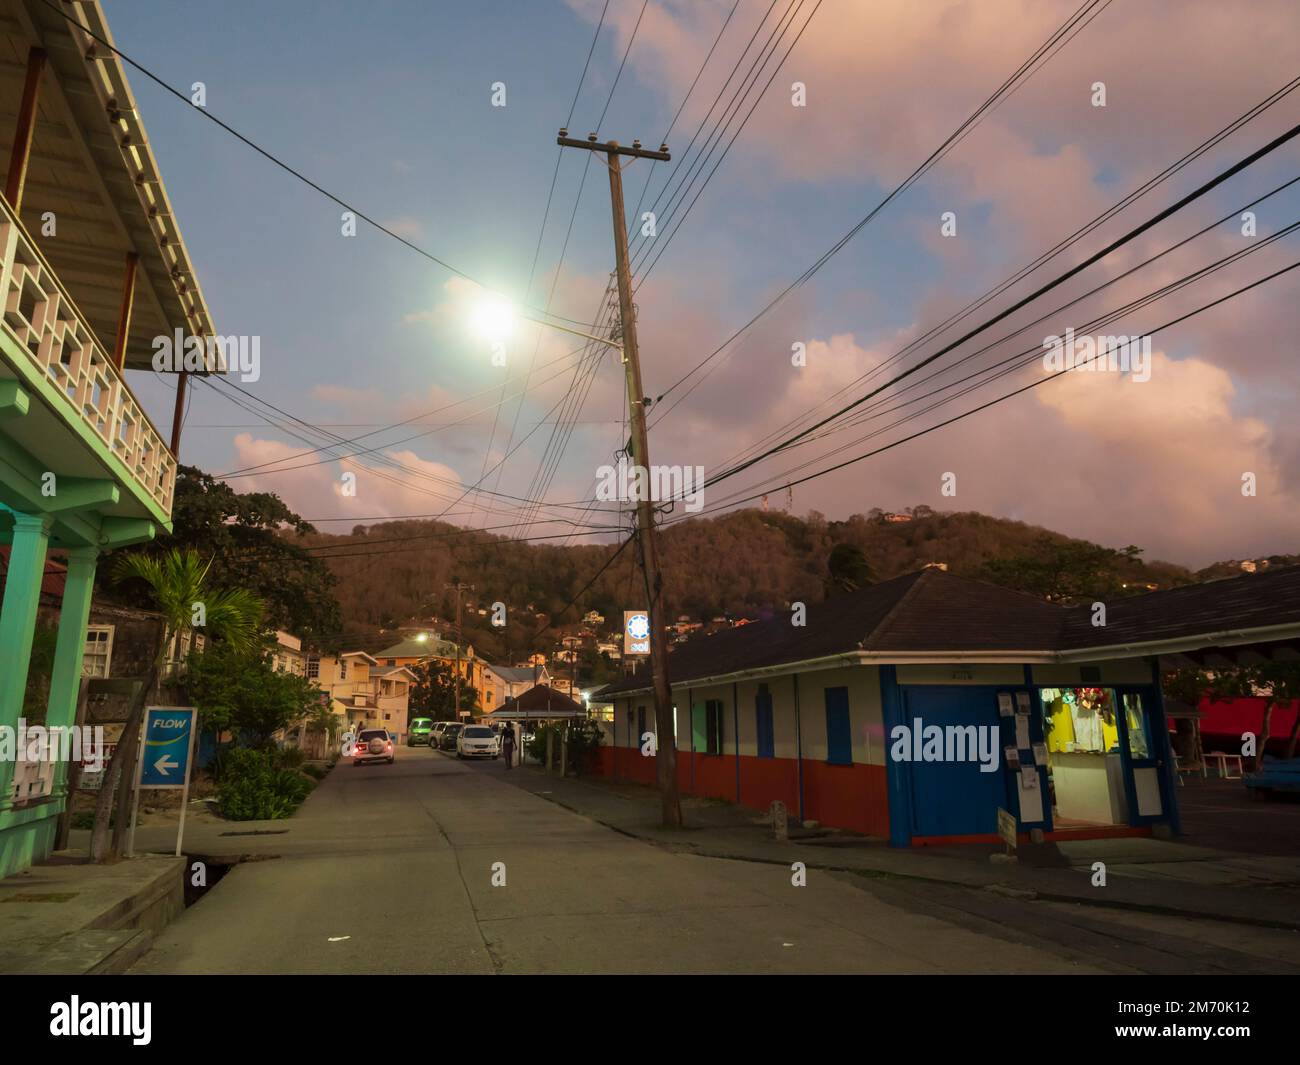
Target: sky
column 393, row 108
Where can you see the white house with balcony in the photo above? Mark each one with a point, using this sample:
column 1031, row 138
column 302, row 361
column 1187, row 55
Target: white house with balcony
column 92, row 268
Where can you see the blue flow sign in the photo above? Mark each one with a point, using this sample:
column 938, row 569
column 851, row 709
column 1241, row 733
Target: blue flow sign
column 168, row 731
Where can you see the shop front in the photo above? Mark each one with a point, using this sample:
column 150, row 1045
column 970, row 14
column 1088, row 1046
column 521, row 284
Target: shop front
column 1106, row 757
column 1076, row 761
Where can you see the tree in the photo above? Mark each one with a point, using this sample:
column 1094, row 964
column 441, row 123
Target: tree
column 241, row 692
column 434, row 692
column 176, row 585
column 847, row 569
column 243, row 535
column 1277, row 682
column 1065, row 571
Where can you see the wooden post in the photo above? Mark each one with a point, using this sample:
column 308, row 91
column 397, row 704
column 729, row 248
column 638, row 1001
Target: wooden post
column 74, row 772
column 178, row 415
column 22, row 146
column 124, row 315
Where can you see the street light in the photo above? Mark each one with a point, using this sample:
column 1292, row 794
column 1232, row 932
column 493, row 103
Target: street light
column 495, row 319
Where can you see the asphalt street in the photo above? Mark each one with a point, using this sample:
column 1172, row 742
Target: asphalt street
column 391, row 869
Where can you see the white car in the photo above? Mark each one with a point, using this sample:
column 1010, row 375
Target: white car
column 477, row 741
column 372, row 745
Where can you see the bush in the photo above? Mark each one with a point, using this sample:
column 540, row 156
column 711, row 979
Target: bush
column 254, row 787
column 584, row 741
column 289, row 757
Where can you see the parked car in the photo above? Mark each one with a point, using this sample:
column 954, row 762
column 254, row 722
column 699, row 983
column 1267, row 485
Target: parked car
column 373, row 745
column 447, row 741
column 477, row 741
column 435, row 734
column 420, row 732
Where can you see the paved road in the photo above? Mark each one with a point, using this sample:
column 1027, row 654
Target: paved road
column 389, row 869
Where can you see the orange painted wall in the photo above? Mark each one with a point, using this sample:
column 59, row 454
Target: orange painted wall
column 853, row 797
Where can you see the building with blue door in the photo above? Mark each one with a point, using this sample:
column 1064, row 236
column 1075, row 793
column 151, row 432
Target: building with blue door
column 915, row 709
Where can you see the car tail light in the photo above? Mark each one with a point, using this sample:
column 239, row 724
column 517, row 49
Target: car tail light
column 390, row 747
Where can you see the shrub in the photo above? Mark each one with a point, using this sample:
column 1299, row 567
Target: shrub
column 584, row 741
column 254, row 788
column 289, row 757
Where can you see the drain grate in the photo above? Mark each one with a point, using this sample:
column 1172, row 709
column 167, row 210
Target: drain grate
column 42, row 896
column 259, row 832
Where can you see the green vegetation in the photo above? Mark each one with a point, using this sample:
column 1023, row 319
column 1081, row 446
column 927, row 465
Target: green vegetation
column 433, row 694
column 239, row 691
column 260, row 785
column 254, row 541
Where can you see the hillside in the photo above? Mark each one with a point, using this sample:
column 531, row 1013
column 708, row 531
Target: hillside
column 744, row 563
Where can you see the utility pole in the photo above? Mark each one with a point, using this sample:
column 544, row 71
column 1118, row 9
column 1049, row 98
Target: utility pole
column 459, row 587
column 666, row 750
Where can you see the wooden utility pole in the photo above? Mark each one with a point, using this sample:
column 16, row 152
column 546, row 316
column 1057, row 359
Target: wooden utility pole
column 666, row 751
column 459, row 587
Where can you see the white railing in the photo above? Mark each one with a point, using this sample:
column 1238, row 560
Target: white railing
column 48, row 326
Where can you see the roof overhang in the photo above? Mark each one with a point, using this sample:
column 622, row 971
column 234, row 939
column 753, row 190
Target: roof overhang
column 91, row 165
column 1198, row 644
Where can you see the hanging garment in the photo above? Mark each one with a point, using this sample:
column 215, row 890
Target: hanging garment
column 1087, row 728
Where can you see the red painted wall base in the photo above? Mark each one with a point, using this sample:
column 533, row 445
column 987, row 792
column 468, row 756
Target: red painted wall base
column 841, row 796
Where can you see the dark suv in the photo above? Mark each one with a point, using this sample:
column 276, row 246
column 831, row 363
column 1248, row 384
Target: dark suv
column 447, row 739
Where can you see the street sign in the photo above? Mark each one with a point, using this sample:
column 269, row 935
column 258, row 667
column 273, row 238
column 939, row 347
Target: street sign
column 636, row 632
column 166, row 758
column 166, row 751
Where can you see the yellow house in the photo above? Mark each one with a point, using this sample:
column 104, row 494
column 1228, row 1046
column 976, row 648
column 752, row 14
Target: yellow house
column 364, row 692
column 426, row 647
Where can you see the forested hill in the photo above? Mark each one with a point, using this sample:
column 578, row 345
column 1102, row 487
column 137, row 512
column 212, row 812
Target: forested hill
column 742, row 563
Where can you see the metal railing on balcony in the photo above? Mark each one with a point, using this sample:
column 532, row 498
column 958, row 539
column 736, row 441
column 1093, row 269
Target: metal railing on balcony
column 43, row 318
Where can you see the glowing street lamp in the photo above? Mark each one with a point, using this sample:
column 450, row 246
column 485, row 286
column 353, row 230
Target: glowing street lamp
column 495, row 319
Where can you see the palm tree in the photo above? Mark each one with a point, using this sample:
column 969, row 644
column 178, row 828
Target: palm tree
column 177, row 587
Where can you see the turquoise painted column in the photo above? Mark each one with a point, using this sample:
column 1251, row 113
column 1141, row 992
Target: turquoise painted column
column 69, row 649
column 22, row 596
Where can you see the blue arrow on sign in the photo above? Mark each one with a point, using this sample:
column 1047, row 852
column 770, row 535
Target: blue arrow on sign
column 166, row 759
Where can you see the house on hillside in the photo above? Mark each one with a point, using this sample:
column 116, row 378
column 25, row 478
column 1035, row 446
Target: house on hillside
column 918, row 708
column 429, row 646
column 364, row 693
column 509, row 682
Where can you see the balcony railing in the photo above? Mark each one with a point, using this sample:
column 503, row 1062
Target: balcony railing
column 51, row 330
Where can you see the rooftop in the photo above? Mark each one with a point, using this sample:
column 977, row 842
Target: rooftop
column 936, row 613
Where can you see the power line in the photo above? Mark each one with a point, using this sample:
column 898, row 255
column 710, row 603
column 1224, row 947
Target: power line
column 660, row 247
column 1009, row 395
column 272, row 158
column 1026, row 357
column 1071, row 24
column 1160, row 216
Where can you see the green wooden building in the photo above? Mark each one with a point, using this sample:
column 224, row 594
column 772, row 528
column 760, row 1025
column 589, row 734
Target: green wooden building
column 92, row 269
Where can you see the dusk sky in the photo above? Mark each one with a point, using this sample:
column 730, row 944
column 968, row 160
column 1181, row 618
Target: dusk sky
column 389, row 106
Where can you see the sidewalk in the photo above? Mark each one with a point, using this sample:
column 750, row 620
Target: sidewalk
column 66, row 916
column 1146, row 874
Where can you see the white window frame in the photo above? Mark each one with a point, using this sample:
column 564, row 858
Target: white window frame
column 108, row 650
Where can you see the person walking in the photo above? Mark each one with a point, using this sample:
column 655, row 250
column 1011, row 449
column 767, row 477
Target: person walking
column 508, row 745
